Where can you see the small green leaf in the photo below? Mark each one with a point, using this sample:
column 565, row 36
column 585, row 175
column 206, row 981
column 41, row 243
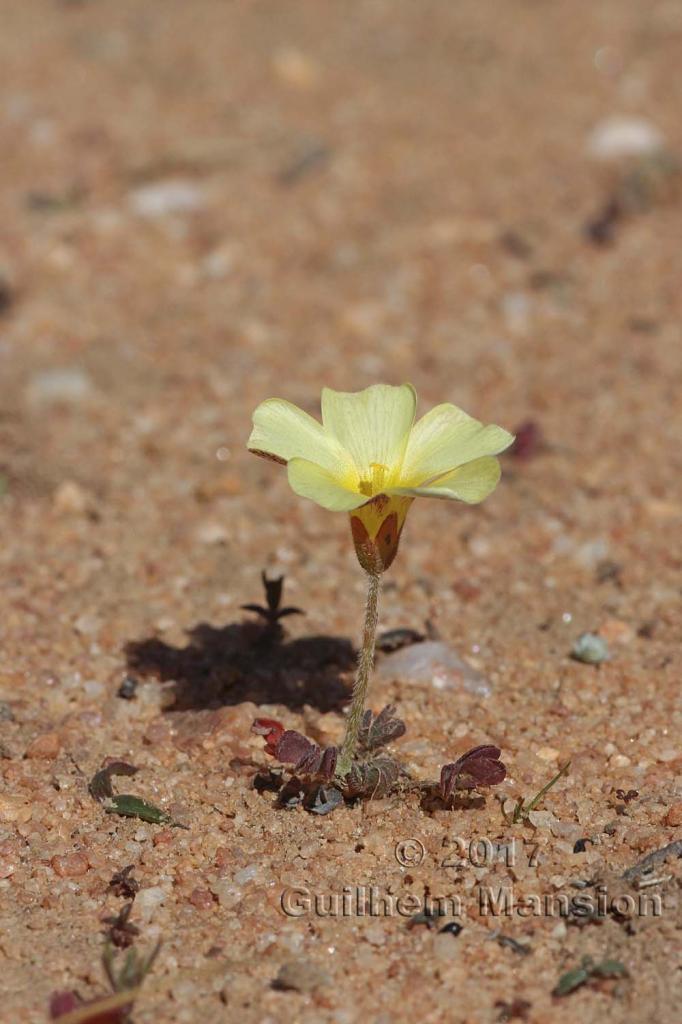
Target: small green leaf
column 611, row 969
column 571, row 980
column 522, row 811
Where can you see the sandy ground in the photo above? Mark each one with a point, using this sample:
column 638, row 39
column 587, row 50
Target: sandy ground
column 206, row 204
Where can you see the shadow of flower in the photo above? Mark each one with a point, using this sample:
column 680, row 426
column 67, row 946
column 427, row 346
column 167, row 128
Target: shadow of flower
column 248, row 661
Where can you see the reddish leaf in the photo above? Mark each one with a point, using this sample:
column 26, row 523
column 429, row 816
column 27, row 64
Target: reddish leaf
column 481, row 764
column 328, row 765
column 271, row 729
column 63, row 1002
column 528, row 441
column 113, row 1009
column 292, row 746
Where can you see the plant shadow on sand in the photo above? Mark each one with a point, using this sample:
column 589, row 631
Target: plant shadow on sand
column 249, row 661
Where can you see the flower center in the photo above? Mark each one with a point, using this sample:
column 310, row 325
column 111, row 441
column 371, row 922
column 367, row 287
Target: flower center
column 376, row 482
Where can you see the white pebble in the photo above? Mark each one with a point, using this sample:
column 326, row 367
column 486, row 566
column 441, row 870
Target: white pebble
column 166, row 197
column 617, row 137
column 147, row 900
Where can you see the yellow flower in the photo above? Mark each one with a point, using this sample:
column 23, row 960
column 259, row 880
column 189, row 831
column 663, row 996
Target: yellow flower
column 369, row 458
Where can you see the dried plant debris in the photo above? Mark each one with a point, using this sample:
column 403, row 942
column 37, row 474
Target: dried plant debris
column 453, row 928
column 587, row 971
column 652, row 860
column 372, row 775
column 428, row 918
column 100, row 786
column 520, row 948
column 517, row 1009
column 125, row 981
column 651, row 181
column 125, row 804
column 522, row 810
column 123, row 884
column 122, row 932
column 272, row 612
column 394, row 639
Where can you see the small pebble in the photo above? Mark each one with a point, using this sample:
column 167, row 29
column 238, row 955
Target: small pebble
column 301, row 976
column 65, row 386
column 87, row 625
column 434, row 663
column 45, row 747
column 619, row 761
column 211, row 533
column 147, row 900
column 7, row 868
column 12, row 809
column 127, row 689
column 674, row 815
column 541, row 819
column 162, row 198
column 547, row 753
column 295, row 68
column 70, row 498
column 375, row 935
column 590, row 649
column 247, row 874
column 614, row 631
column 202, row 899
column 620, row 136
column 227, row 893
column 71, row 865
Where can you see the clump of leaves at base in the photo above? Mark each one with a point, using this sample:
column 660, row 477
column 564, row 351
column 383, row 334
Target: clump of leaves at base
column 373, row 774
column 313, row 768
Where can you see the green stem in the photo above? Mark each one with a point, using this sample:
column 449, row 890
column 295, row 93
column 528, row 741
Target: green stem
column 361, row 684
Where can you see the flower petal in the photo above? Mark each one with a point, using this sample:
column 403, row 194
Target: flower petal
column 282, row 431
column 471, row 483
column 373, row 425
column 446, row 437
column 314, row 482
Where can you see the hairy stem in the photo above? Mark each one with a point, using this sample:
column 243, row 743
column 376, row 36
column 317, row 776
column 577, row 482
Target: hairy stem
column 361, row 684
